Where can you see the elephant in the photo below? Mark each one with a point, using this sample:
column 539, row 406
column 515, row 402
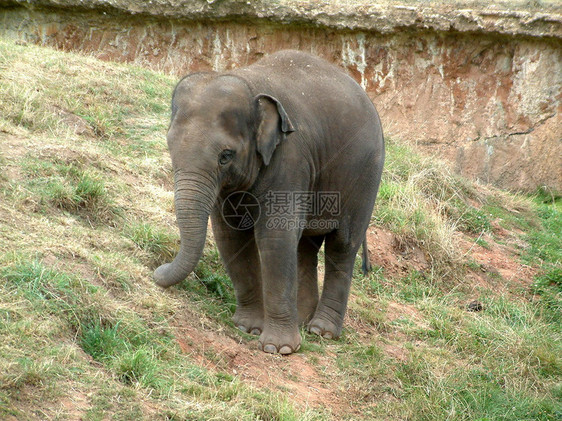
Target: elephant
column 270, row 139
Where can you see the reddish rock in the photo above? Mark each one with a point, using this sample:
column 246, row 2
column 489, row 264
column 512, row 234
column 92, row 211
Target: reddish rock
column 479, row 85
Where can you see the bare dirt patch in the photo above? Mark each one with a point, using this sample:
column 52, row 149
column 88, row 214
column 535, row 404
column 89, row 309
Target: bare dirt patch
column 499, row 266
column 396, row 257
column 75, row 406
column 296, row 376
column 495, row 257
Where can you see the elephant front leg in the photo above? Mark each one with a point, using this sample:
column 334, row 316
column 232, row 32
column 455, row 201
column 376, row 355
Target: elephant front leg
column 278, row 258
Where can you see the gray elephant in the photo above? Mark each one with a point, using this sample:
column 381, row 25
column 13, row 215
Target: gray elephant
column 288, row 144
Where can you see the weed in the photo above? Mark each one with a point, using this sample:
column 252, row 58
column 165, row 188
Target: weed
column 69, row 187
column 475, row 221
column 160, row 245
column 101, row 342
column 548, row 286
column 139, row 366
column 217, row 284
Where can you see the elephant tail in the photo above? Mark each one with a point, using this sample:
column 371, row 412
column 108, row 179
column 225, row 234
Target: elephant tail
column 366, row 266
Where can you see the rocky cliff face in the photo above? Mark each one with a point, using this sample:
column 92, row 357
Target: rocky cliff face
column 481, row 86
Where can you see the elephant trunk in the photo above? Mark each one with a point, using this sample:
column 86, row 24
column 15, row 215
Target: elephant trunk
column 194, row 200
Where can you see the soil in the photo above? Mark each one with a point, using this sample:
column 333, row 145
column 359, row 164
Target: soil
column 296, row 376
column 397, row 258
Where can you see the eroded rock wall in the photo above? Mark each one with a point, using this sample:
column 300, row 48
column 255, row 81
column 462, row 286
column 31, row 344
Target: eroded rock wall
column 490, row 103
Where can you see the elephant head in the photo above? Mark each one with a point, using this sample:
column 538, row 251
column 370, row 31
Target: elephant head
column 220, row 136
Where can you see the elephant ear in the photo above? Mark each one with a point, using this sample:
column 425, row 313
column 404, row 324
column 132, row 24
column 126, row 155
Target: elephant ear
column 274, row 124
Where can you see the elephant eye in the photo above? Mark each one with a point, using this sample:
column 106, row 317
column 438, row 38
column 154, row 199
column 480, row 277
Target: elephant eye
column 226, row 156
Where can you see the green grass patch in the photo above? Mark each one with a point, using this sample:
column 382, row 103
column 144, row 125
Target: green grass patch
column 160, row 245
column 548, row 287
column 112, row 269
column 139, row 356
column 546, row 240
column 133, row 356
column 460, row 394
column 107, row 98
column 71, row 187
column 545, row 246
column 49, row 290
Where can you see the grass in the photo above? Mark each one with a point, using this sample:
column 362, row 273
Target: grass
column 415, row 201
column 69, row 187
column 86, row 214
column 159, row 245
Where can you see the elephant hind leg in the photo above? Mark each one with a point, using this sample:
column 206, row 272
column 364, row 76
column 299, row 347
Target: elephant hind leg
column 239, row 253
column 246, row 278
column 339, row 261
column 307, row 300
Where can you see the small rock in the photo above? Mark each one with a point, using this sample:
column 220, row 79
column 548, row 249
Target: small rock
column 474, row 306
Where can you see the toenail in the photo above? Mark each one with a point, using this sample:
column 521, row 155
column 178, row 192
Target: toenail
column 270, row 348
column 285, row 350
column 328, row 335
column 256, row 331
column 316, row 330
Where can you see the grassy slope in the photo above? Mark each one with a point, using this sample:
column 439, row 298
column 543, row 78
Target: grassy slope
column 86, row 214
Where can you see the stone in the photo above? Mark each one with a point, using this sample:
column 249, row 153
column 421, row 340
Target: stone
column 476, row 83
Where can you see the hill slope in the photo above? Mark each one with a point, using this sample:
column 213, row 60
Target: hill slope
column 86, row 214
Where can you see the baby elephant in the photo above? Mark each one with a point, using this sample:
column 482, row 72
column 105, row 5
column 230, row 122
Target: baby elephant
column 284, row 155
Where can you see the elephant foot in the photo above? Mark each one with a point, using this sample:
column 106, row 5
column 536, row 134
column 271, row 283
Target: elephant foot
column 249, row 321
column 324, row 328
column 256, row 331
column 284, row 344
